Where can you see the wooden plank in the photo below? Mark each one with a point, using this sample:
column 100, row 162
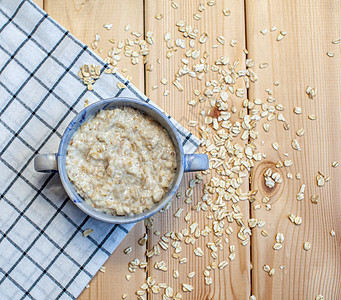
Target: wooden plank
column 84, row 19
column 234, row 280
column 297, row 61
column 40, row 3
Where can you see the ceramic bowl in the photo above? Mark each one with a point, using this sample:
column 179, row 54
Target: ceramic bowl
column 57, row 162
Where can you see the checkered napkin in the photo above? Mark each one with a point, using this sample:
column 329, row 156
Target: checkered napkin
column 43, row 254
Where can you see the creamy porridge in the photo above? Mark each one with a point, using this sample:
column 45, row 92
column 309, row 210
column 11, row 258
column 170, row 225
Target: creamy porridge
column 121, row 161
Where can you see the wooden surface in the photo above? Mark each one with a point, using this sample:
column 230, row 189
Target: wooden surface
column 296, row 61
column 233, row 281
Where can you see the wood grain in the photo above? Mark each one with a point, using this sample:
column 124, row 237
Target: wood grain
column 40, row 3
column 297, row 61
column 84, row 19
column 234, row 280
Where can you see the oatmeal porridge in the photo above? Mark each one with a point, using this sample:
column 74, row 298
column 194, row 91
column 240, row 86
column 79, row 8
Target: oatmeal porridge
column 121, row 161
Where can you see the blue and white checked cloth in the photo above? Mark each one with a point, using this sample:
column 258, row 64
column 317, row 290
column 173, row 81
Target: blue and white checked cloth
column 43, row 254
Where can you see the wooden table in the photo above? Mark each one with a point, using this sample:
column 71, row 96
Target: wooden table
column 298, row 60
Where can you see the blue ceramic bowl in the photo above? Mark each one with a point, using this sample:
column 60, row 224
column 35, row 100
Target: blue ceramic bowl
column 57, row 162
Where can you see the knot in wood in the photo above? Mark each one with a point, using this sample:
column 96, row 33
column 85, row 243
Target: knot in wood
column 268, row 180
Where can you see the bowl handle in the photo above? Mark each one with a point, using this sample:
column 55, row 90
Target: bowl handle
column 196, row 162
column 46, row 163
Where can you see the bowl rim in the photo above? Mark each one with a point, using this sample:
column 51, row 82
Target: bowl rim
column 82, row 117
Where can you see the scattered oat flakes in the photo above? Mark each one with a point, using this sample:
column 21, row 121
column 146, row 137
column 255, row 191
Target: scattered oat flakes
column 311, row 92
column 298, row 220
column 121, row 85
column 107, row 26
column 196, row 17
column 89, row 73
column 277, row 246
column 300, row 132
column 233, row 43
column 87, row 232
column 279, row 237
column 300, row 194
column 266, row 268
column 178, row 213
column 198, row 252
column 127, row 250
column 266, row 126
column 275, row 145
column 191, row 274
column 187, row 287
column 221, row 40
column 280, row 37
column 174, row 5
column 295, row 145
column 161, row 265
column 314, row 199
column 320, row 180
column 298, row 110
column 142, row 241
column 226, row 12
column 169, row 292
column 222, row 264
column 271, row 178
column 192, row 123
column 230, row 160
column 102, row 269
column 287, row 163
column 306, row 246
